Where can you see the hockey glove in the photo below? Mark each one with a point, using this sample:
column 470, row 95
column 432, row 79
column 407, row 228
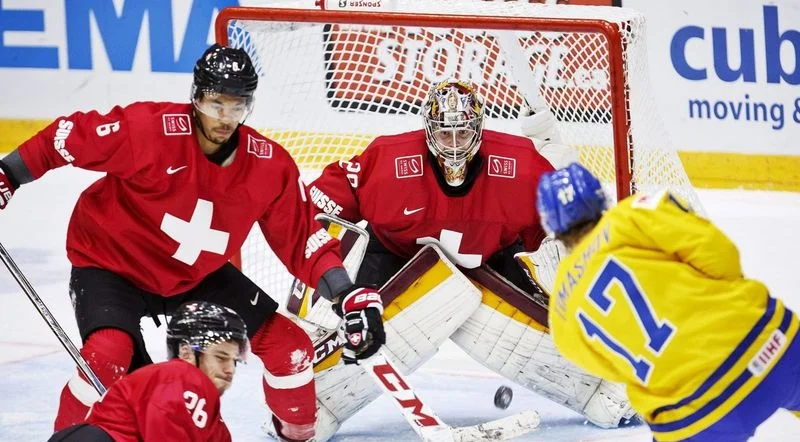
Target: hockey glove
column 361, row 308
column 540, row 126
column 6, row 190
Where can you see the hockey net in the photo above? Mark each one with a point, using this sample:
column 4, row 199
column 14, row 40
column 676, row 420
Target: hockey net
column 331, row 81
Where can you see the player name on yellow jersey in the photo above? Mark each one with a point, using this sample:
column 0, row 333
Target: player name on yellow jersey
column 645, row 299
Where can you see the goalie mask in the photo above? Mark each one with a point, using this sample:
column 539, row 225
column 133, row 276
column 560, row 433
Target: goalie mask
column 200, row 324
column 224, row 83
column 453, row 115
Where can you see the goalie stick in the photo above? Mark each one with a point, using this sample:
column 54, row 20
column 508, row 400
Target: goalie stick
column 51, row 321
column 421, row 417
column 424, row 420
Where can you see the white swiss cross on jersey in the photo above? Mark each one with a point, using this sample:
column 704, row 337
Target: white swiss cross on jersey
column 450, row 241
column 195, row 235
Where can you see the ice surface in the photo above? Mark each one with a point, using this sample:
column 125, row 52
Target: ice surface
column 34, row 368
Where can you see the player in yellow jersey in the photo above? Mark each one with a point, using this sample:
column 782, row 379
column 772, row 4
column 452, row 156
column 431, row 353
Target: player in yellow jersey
column 652, row 296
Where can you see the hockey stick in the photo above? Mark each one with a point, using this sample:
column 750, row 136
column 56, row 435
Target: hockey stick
column 518, row 63
column 419, row 416
column 424, row 420
column 51, row 321
column 351, row 262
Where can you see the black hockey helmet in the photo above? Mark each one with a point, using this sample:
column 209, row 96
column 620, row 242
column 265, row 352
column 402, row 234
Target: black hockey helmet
column 202, row 323
column 224, row 70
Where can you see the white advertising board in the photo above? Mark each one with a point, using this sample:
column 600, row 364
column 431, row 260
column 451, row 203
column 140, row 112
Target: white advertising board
column 726, row 74
column 60, row 56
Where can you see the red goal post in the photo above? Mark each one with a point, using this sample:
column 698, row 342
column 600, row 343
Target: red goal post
column 610, row 31
column 332, row 80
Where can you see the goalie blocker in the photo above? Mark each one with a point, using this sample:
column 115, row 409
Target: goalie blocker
column 430, row 300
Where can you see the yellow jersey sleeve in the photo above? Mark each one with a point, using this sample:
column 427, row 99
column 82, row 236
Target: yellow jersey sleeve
column 671, row 225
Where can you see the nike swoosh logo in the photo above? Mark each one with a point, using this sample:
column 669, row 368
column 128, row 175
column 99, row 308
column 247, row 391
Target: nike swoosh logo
column 254, row 301
column 170, row 170
column 411, row 212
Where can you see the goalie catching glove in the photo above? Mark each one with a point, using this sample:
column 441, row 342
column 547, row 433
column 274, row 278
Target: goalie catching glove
column 540, row 127
column 361, row 308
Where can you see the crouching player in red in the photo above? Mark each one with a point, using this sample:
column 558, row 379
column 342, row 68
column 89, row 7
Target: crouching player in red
column 178, row 399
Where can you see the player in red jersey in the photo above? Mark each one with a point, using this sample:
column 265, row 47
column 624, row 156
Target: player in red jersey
column 178, row 399
column 453, row 183
column 184, row 185
column 448, row 208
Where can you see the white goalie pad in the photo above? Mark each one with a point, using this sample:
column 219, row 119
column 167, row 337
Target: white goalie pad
column 424, row 303
column 507, row 334
column 541, row 265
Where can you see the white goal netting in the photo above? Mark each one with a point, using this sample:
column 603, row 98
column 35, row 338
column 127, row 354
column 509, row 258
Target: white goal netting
column 331, row 81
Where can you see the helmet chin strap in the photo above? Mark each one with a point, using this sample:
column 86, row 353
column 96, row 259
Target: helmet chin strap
column 197, row 358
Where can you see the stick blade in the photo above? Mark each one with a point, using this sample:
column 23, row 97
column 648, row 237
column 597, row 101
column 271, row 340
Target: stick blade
column 501, row 429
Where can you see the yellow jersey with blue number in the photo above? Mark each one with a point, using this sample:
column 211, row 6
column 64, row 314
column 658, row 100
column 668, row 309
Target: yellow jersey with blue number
column 654, row 297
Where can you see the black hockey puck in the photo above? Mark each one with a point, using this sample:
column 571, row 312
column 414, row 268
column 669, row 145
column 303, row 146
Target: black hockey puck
column 503, row 396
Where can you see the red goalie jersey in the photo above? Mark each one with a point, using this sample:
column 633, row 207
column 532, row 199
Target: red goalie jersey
column 170, row 401
column 393, row 186
column 165, row 216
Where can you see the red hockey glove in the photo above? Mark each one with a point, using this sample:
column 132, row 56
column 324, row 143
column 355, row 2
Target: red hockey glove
column 361, row 309
column 6, row 190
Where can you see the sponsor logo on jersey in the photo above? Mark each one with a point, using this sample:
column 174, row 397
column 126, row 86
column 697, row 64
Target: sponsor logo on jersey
column 316, row 240
column 645, row 201
column 767, row 354
column 60, row 139
column 171, row 170
column 258, row 147
column 177, row 124
column 502, row 167
column 324, row 202
column 407, row 212
column 408, row 167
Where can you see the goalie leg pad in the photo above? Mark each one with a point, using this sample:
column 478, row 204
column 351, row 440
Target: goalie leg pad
column 424, row 303
column 609, row 406
column 511, row 340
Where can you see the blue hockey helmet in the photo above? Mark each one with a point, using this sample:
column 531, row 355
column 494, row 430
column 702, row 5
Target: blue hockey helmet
column 569, row 197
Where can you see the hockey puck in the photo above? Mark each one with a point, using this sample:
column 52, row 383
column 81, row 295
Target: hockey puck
column 503, row 396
